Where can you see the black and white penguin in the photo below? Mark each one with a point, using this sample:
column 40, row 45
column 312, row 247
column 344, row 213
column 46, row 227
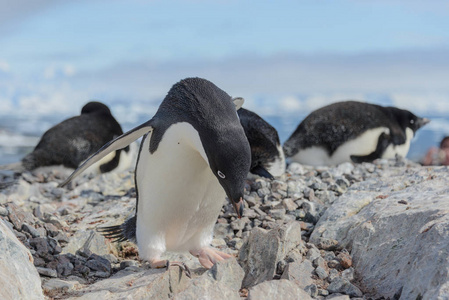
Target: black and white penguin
column 193, row 154
column 352, row 131
column 267, row 156
column 73, row 140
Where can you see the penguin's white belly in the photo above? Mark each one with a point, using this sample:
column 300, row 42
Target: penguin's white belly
column 277, row 168
column 401, row 150
column 363, row 145
column 179, row 196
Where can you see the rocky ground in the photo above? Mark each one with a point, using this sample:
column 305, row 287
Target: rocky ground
column 320, row 233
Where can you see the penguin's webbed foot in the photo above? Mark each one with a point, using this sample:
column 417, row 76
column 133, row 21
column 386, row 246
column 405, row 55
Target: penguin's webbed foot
column 209, row 256
column 159, row 264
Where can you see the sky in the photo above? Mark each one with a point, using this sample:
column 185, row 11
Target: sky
column 283, row 57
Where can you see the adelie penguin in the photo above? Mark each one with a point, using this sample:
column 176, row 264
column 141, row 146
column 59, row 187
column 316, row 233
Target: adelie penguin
column 267, row 157
column 352, row 131
column 193, row 154
column 72, row 141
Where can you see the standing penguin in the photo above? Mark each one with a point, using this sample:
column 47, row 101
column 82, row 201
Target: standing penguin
column 352, row 131
column 72, row 141
column 267, row 157
column 193, row 154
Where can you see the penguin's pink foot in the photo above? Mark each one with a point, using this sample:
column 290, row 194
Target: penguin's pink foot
column 162, row 263
column 209, row 256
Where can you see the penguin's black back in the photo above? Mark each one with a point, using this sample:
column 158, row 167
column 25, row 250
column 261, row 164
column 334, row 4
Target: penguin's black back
column 206, row 107
column 334, row 124
column 74, row 140
column 262, row 137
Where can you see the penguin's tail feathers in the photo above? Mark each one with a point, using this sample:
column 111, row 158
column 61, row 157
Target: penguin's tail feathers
column 120, row 233
column 16, row 167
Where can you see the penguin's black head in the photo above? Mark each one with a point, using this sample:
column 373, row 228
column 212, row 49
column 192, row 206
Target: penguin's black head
column 407, row 119
column 230, row 162
column 95, row 107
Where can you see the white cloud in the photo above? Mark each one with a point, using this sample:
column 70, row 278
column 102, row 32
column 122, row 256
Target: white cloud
column 4, row 66
column 423, row 103
column 291, row 104
column 49, row 72
column 58, row 71
column 68, row 70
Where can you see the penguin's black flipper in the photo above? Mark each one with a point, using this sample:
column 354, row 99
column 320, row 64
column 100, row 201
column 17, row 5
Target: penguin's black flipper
column 382, row 143
column 262, row 172
column 120, row 233
column 114, row 145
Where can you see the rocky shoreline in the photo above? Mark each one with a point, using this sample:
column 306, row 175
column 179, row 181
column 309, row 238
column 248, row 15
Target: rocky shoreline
column 311, row 232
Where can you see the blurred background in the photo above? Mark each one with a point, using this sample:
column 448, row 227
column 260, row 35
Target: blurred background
column 286, row 58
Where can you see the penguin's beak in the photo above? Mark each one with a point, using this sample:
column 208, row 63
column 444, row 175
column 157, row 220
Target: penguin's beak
column 422, row 122
column 238, row 206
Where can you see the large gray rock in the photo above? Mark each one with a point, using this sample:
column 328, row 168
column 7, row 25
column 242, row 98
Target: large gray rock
column 263, row 249
column 277, row 289
column 18, row 276
column 397, row 228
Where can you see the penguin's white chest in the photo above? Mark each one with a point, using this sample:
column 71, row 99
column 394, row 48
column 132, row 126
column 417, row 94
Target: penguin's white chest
column 179, row 198
column 363, row 145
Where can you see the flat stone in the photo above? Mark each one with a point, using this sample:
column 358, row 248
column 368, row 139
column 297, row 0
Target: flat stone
column 313, row 254
column 278, row 213
column 338, row 296
column 47, row 272
column 53, row 287
column 152, row 284
column 277, row 289
column 345, row 260
column 207, row 290
column 3, row 211
column 289, row 204
column 128, row 263
column 98, row 263
column 31, row 230
column 227, row 272
column 299, row 272
column 327, row 244
column 312, row 290
column 88, row 240
column 17, row 216
column 321, row 272
column 341, row 285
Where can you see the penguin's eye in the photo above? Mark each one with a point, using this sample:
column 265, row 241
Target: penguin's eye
column 412, row 121
column 221, row 174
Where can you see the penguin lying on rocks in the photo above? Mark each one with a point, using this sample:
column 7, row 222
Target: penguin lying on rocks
column 267, row 156
column 72, row 141
column 193, row 154
column 352, row 131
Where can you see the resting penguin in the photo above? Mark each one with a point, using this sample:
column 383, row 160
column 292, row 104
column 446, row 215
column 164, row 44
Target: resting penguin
column 193, row 154
column 72, row 141
column 267, row 157
column 352, row 131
